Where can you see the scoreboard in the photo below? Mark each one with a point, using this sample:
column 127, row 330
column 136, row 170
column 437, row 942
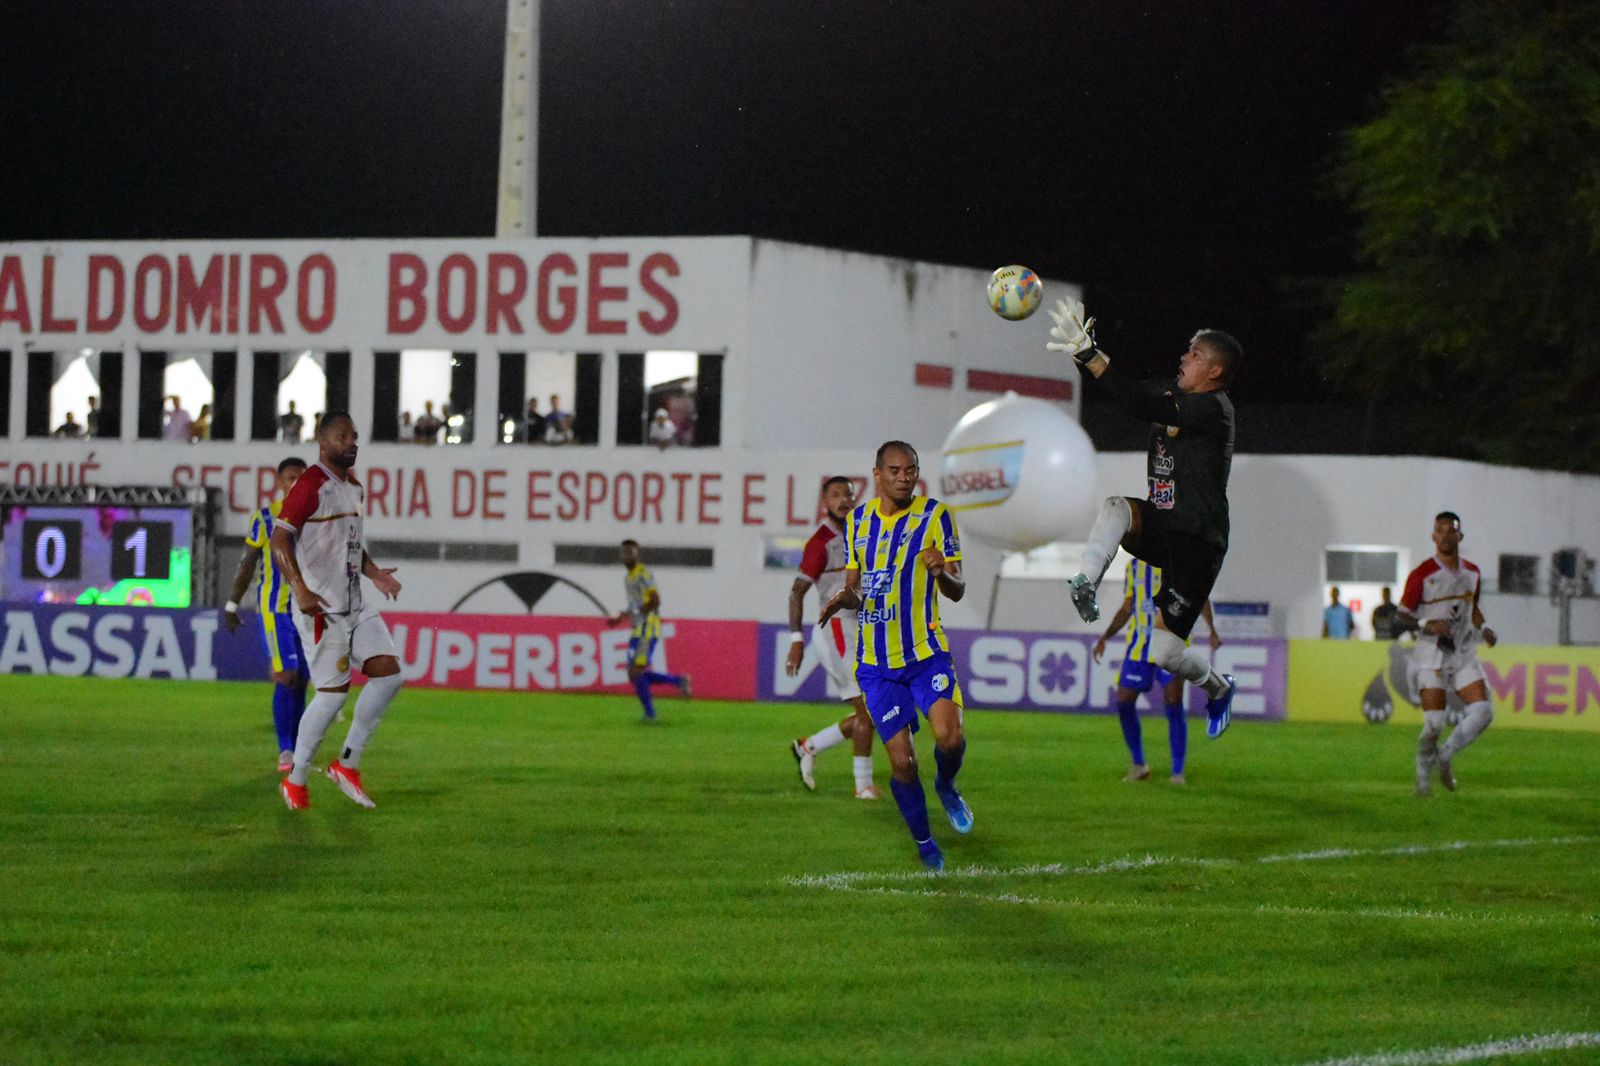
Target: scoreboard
column 116, row 555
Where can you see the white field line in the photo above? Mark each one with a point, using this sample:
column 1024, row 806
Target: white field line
column 1517, row 1045
column 846, row 879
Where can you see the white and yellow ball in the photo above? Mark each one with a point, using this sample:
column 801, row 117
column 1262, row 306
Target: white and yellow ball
column 1015, row 292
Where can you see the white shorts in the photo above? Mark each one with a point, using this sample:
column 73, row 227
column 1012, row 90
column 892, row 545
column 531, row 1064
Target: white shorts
column 333, row 641
column 835, row 646
column 1448, row 670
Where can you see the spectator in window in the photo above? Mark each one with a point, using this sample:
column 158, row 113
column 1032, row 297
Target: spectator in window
column 70, row 429
column 290, row 425
column 428, row 424
column 200, row 428
column 178, row 422
column 555, row 414
column 663, row 434
column 1384, row 617
column 406, row 432
column 533, row 423
column 91, row 421
column 558, row 431
column 1337, row 621
column 316, row 425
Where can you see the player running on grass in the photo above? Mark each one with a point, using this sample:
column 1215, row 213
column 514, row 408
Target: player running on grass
column 278, row 635
column 1440, row 602
column 644, row 611
column 1183, row 526
column 1141, row 585
column 822, row 565
column 319, row 548
column 904, row 551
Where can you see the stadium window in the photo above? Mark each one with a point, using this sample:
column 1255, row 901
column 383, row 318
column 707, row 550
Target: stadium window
column 1519, row 575
column 76, row 394
column 424, row 395
column 565, row 384
column 1370, row 566
column 669, row 399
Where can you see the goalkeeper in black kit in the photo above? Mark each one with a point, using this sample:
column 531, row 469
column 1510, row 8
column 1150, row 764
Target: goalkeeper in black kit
column 1182, row 526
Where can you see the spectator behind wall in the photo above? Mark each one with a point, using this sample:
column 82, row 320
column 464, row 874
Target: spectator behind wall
column 290, row 425
column 428, row 425
column 558, row 431
column 1337, row 621
column 533, row 423
column 663, row 434
column 178, row 422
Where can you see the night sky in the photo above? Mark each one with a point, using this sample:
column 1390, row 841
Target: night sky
column 1172, row 157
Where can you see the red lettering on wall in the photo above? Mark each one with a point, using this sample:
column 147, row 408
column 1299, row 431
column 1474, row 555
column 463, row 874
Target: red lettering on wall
column 418, row 503
column 462, row 501
column 565, row 295
column 681, row 478
column 162, row 270
column 14, row 294
column 492, row 492
column 408, row 274
column 322, row 266
column 268, row 278
column 104, row 266
column 378, row 490
column 197, row 296
column 233, row 293
column 567, row 484
column 661, row 263
column 503, row 298
column 600, row 294
column 751, row 482
column 457, row 264
column 650, row 494
column 625, row 482
column 48, row 322
column 536, row 495
column 595, row 490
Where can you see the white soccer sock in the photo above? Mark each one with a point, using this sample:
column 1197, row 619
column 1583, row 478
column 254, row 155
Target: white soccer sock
column 1475, row 720
column 314, row 723
column 1110, row 526
column 374, row 700
column 863, row 765
column 1428, row 741
column 826, row 739
column 1167, row 651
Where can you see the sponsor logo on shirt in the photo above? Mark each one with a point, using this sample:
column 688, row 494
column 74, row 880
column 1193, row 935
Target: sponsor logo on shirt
column 1161, row 462
column 866, row 617
column 1163, row 493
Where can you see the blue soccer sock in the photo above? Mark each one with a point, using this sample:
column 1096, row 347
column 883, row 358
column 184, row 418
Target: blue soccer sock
column 913, row 807
column 949, row 764
column 663, row 679
column 288, row 704
column 1177, row 735
column 641, row 685
column 1128, row 715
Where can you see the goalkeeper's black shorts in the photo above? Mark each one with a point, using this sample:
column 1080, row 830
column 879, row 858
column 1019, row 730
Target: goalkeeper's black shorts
column 1189, row 566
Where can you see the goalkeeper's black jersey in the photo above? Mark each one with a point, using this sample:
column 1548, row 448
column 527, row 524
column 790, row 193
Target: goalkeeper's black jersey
column 1191, row 453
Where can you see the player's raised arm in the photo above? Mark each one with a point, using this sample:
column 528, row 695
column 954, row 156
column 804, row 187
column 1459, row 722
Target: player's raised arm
column 1118, row 620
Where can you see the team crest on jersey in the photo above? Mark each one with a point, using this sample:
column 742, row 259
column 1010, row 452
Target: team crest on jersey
column 941, row 682
column 344, row 663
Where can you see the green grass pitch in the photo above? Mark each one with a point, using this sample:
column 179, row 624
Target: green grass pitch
column 546, row 879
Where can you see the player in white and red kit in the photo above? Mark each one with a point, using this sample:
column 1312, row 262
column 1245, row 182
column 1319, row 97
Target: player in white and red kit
column 822, row 565
column 318, row 546
column 1440, row 602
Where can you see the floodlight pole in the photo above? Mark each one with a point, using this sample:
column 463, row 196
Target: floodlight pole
column 516, row 215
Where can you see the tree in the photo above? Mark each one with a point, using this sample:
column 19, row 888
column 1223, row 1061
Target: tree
column 1477, row 192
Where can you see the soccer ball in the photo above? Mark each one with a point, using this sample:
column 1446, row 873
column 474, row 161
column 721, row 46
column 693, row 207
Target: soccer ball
column 1015, row 292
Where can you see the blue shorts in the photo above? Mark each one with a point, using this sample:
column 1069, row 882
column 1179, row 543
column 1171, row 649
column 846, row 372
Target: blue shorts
column 642, row 641
column 1138, row 676
column 282, row 641
column 894, row 697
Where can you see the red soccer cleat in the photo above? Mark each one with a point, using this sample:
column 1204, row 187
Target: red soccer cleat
column 349, row 782
column 295, row 795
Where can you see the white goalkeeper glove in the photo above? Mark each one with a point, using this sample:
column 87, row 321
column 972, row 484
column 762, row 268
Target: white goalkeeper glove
column 1072, row 333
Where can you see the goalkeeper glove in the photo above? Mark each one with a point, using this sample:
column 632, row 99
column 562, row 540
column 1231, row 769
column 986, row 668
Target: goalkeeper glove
column 1073, row 335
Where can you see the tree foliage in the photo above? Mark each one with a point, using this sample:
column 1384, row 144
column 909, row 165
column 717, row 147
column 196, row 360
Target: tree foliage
column 1477, row 193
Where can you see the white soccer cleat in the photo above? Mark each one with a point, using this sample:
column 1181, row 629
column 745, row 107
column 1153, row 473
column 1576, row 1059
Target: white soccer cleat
column 807, row 760
column 1138, row 773
column 1447, row 777
column 349, row 782
column 869, row 793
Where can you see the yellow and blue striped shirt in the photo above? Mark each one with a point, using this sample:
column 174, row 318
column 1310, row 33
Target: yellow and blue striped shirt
column 1143, row 582
column 639, row 583
column 899, row 611
column 273, row 595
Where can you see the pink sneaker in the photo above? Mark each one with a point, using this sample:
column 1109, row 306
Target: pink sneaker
column 349, row 782
column 294, row 795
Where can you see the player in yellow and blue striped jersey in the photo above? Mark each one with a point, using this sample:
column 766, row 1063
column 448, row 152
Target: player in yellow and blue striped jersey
column 278, row 633
column 644, row 612
column 1138, row 612
column 903, row 552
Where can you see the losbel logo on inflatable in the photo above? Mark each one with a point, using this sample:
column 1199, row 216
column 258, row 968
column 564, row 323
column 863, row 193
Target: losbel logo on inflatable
column 982, row 475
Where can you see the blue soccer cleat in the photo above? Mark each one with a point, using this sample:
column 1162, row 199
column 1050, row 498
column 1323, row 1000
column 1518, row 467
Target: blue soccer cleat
column 1219, row 711
column 931, row 856
column 955, row 807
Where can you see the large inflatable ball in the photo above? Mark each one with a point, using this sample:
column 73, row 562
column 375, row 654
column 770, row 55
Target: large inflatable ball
column 1019, row 473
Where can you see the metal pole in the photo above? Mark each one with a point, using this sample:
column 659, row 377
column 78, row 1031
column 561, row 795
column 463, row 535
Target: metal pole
column 516, row 215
